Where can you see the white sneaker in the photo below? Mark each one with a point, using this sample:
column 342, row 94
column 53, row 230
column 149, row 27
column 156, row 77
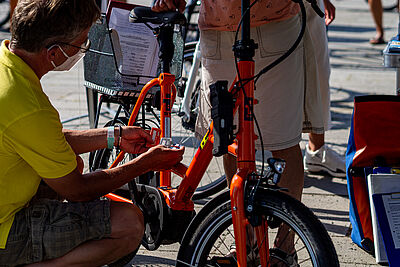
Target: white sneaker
column 325, row 160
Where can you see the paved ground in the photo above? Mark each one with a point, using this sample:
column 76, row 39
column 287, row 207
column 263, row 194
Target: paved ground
column 356, row 70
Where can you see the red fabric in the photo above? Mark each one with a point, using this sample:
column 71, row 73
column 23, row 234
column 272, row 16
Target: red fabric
column 362, row 202
column 376, row 134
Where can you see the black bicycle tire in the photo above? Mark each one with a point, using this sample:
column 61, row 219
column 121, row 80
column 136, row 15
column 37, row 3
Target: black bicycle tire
column 275, row 204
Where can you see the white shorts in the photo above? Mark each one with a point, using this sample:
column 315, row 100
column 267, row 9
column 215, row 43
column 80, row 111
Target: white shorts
column 317, row 29
column 280, row 91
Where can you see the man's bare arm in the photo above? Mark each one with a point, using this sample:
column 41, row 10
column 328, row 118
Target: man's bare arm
column 85, row 187
column 82, row 141
column 133, row 140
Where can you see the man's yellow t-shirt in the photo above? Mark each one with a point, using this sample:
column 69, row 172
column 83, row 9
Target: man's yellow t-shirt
column 32, row 144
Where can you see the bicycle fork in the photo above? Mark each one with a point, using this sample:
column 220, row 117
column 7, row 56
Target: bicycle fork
column 246, row 166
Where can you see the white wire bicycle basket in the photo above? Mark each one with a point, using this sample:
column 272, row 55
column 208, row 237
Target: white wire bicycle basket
column 115, row 64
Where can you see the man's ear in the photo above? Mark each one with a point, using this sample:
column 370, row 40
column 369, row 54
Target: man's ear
column 51, row 53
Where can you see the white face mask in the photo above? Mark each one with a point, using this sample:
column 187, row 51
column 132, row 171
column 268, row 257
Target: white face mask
column 69, row 63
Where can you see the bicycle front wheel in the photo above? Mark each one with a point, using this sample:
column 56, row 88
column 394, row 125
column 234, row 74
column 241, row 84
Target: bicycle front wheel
column 212, row 242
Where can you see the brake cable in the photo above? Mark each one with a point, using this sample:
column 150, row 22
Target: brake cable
column 241, row 83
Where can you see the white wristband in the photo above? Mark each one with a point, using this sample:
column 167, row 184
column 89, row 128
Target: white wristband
column 110, row 137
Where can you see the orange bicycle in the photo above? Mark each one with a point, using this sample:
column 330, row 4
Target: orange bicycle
column 252, row 224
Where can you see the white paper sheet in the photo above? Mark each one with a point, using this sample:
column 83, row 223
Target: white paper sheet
column 381, row 184
column 392, row 208
column 138, row 44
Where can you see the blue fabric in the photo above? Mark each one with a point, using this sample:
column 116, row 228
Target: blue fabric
column 356, row 234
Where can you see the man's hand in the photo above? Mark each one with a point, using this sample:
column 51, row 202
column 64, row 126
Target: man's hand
column 134, row 140
column 330, row 11
column 169, row 5
column 163, row 158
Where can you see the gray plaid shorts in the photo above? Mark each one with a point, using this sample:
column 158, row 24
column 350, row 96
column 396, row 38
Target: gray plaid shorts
column 48, row 229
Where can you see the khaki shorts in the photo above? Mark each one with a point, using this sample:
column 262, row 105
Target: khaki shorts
column 280, row 91
column 49, row 229
column 318, row 36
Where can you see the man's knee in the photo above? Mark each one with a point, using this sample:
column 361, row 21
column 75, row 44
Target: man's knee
column 127, row 223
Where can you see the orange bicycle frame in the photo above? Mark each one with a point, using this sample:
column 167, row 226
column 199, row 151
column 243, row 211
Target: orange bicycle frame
column 246, row 166
column 168, row 93
column 180, row 198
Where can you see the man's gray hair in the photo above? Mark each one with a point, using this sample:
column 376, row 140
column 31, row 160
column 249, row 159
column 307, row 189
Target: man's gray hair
column 37, row 24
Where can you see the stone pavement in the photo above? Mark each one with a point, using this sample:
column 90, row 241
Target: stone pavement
column 356, row 70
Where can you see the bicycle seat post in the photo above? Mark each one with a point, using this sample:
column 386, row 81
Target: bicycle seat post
column 165, row 41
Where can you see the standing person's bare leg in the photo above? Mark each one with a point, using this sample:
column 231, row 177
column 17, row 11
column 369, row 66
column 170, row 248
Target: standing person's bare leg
column 315, row 141
column 376, row 9
column 293, row 176
column 292, row 179
column 229, row 167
